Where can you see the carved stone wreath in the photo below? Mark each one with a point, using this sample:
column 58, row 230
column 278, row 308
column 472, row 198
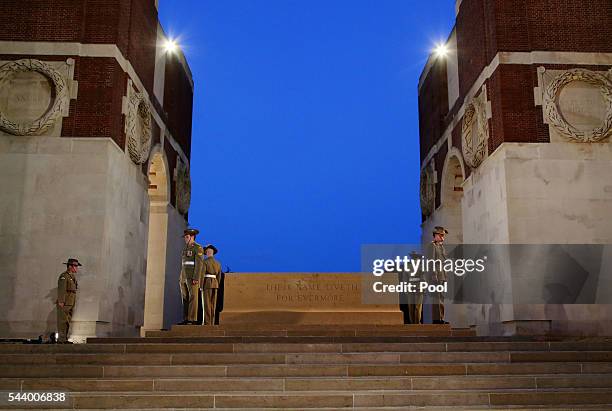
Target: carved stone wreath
column 183, row 187
column 474, row 146
column 59, row 94
column 554, row 116
column 428, row 190
column 138, row 127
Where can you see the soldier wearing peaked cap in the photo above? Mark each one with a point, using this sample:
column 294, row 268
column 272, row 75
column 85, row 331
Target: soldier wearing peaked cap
column 439, row 276
column 212, row 277
column 66, row 298
column 190, row 279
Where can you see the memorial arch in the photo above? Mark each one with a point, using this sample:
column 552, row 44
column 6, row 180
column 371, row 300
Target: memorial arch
column 157, row 242
column 451, row 195
column 451, row 199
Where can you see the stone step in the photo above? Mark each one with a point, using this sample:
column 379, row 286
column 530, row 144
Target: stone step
column 281, row 347
column 198, row 358
column 222, row 384
column 310, row 331
column 204, row 332
column 298, row 370
column 310, row 339
column 282, row 330
column 331, row 399
column 315, row 327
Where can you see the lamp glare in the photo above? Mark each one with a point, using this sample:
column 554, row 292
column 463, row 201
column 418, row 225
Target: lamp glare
column 441, row 50
column 170, row 46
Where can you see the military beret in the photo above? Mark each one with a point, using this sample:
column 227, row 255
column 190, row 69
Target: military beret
column 73, row 261
column 191, row 231
column 440, row 230
column 212, row 247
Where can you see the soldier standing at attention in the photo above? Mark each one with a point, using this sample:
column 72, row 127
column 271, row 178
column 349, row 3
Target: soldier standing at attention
column 192, row 263
column 66, row 298
column 439, row 276
column 212, row 276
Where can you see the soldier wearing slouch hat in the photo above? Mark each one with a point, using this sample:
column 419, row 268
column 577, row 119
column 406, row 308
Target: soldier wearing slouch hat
column 438, row 276
column 67, row 286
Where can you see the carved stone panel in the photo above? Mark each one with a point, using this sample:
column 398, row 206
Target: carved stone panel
column 183, row 187
column 34, row 95
column 428, row 190
column 475, row 129
column 576, row 103
column 138, row 127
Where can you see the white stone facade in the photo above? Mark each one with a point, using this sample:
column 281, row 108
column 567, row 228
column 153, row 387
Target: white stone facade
column 79, row 197
column 535, row 193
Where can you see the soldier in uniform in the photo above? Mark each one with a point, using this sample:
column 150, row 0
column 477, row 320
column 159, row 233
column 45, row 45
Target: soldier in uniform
column 437, row 252
column 66, row 298
column 415, row 299
column 212, row 274
column 190, row 279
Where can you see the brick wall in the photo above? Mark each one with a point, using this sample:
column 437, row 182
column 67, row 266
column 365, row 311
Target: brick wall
column 97, row 111
column 132, row 26
column 433, row 106
column 472, row 29
column 515, row 117
column 178, row 103
column 486, row 27
column 555, row 25
column 142, row 40
column 41, row 20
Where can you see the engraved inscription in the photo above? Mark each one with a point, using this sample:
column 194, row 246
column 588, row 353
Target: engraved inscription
column 582, row 105
column 33, row 96
column 26, row 97
column 300, row 292
column 578, row 104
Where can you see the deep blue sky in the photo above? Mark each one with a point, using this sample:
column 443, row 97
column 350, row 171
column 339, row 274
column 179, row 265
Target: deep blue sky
column 305, row 125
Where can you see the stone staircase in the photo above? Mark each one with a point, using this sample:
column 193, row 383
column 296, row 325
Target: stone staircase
column 244, row 367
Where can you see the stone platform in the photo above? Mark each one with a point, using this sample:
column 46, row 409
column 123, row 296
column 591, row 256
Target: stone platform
column 291, row 330
column 303, row 298
column 317, row 368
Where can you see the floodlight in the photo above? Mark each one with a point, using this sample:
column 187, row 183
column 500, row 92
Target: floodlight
column 441, row 50
column 170, row 46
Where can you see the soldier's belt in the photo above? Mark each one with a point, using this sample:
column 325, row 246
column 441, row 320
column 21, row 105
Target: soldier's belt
column 189, row 262
column 210, row 276
column 71, row 291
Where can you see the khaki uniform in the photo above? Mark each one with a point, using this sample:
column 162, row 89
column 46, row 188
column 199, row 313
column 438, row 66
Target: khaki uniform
column 66, row 293
column 438, row 277
column 415, row 299
column 212, row 276
column 190, row 280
